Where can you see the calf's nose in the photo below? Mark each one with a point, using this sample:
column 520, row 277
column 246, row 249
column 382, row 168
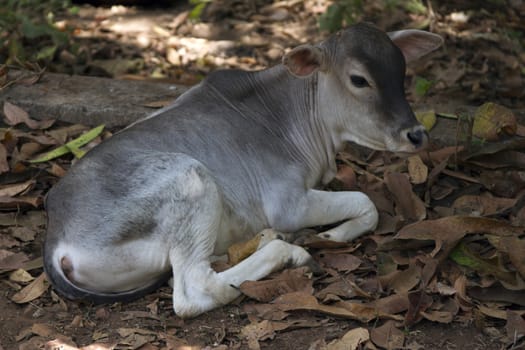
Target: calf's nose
column 417, row 136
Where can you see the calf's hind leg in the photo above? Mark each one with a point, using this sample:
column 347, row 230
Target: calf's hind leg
column 196, row 286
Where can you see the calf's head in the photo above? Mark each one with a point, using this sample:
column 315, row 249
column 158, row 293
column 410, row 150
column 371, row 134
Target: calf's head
column 361, row 84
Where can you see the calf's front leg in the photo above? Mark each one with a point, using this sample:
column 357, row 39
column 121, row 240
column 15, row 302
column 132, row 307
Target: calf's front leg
column 324, row 208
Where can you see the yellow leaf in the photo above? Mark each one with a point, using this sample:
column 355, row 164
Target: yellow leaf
column 491, row 120
column 31, row 291
column 21, row 276
column 426, row 118
column 240, row 251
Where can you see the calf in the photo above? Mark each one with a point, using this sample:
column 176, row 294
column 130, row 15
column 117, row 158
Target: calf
column 238, row 153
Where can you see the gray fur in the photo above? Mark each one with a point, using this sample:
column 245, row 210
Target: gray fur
column 238, row 153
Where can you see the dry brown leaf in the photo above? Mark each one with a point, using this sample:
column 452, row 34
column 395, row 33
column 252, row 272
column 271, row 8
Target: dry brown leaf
column 4, row 164
column 409, row 205
column 444, row 289
column 24, row 334
column 12, row 261
column 497, row 293
column 388, row 223
column 7, row 241
column 417, row 170
column 388, row 336
column 99, row 335
column 429, row 270
column 15, row 189
column 419, row 302
column 136, row 340
column 154, row 306
column 492, row 312
column 464, row 301
column 503, row 183
column 443, row 154
column 28, row 150
column 346, row 177
column 25, row 234
column 316, row 242
column 441, row 191
column 102, row 313
column 175, row 343
column 365, row 311
column 447, row 231
column 503, row 159
column 382, row 200
column 15, row 203
column 33, row 264
column 438, row 316
column 56, row 170
column 261, row 331
column 392, row 304
column 482, row 205
column 124, row 332
column 32, row 291
column 62, row 135
column 340, row 262
column 515, row 325
column 403, row 281
column 36, row 137
column 33, row 343
column 16, row 115
column 303, row 301
column 520, row 130
column 352, row 340
column 269, row 312
column 515, row 247
column 43, row 330
column 291, row 280
column 339, row 288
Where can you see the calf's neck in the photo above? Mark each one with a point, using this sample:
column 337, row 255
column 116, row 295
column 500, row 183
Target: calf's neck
column 238, row 153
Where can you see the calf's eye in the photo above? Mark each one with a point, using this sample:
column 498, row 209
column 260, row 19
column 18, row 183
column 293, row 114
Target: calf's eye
column 359, row 81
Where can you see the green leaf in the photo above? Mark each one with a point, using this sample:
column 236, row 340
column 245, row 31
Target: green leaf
column 74, row 10
column 447, row 115
column 33, row 31
column 415, row 6
column 332, row 19
column 462, row 255
column 72, row 146
column 196, row 12
column 16, row 51
column 46, row 52
column 422, row 86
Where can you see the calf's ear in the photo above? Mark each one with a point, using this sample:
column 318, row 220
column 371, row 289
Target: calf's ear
column 415, row 43
column 303, row 60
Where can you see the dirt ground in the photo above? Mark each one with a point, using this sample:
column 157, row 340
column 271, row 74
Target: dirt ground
column 483, row 61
